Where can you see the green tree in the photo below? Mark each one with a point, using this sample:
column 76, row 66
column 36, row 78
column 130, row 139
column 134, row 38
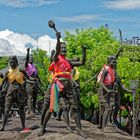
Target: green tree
column 100, row 44
column 3, row 62
column 42, row 63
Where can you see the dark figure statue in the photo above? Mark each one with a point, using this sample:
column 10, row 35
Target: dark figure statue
column 16, row 91
column 61, row 69
column 76, row 83
column 2, row 97
column 118, row 87
column 31, row 88
column 106, row 92
column 3, row 91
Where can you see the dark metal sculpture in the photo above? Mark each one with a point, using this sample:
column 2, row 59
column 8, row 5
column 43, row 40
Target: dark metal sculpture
column 51, row 24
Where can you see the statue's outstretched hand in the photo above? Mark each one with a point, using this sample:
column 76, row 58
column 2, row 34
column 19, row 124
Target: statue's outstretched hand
column 28, row 49
column 111, row 91
column 120, row 49
column 84, row 47
column 132, row 92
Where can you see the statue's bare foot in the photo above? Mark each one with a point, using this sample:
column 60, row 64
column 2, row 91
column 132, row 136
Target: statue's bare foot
column 41, row 133
column 70, row 129
column 2, row 129
column 81, row 133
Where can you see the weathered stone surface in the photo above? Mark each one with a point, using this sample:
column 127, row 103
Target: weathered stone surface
column 56, row 130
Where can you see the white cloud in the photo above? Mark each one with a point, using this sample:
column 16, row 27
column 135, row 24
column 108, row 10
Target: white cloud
column 5, row 47
column 15, row 43
column 25, row 3
column 46, row 43
column 122, row 4
column 79, row 18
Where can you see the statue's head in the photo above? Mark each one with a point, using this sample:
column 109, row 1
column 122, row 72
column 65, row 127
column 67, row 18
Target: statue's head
column 1, row 75
column 31, row 59
column 63, row 49
column 13, row 61
column 111, row 60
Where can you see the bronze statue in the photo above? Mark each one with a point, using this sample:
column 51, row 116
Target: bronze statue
column 2, row 96
column 61, row 69
column 106, row 93
column 16, row 90
column 31, row 88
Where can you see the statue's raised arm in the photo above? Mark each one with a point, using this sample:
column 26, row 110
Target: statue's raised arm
column 80, row 63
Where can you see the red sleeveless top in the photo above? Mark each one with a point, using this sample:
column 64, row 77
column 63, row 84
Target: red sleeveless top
column 61, row 68
column 110, row 78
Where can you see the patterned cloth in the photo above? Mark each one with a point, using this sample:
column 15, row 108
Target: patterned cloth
column 31, row 69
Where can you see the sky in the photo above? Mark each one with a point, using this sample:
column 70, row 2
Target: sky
column 24, row 23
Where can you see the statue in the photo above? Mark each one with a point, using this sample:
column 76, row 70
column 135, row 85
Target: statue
column 61, row 69
column 31, row 88
column 15, row 77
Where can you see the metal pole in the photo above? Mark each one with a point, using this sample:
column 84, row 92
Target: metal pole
column 37, row 42
column 134, row 116
column 49, row 48
column 134, row 86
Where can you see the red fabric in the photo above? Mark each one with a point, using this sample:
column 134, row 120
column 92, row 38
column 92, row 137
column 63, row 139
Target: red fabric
column 110, row 78
column 62, row 65
column 26, row 129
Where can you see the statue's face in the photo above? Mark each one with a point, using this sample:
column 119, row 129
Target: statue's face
column 63, row 49
column 13, row 64
column 113, row 63
column 31, row 59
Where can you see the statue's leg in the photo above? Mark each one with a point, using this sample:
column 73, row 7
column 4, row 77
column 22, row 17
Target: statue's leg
column 75, row 111
column 65, row 102
column 22, row 114
column 76, row 116
column 44, row 110
column 3, row 105
column 8, row 104
column 102, row 104
column 112, row 107
column 115, row 113
column 75, row 108
column 34, row 101
column 21, row 101
column 101, row 112
column 46, row 114
column 65, row 109
column 105, row 116
column 29, row 90
column 1, row 110
column 46, row 119
column 35, row 91
column 46, row 105
column 60, row 111
column 116, row 110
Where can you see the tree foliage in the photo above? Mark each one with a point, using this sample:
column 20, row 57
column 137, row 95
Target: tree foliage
column 100, row 44
column 3, row 62
column 42, row 63
column 128, row 68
